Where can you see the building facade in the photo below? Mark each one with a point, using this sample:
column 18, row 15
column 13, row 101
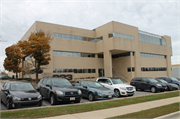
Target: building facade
column 113, row 49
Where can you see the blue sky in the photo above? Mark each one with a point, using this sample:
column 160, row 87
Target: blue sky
column 160, row 17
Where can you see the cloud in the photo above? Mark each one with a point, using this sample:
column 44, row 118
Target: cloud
column 158, row 17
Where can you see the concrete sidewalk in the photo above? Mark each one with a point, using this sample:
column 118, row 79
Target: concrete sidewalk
column 111, row 112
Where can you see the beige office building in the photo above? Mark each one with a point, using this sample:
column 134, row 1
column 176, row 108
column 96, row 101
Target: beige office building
column 113, row 49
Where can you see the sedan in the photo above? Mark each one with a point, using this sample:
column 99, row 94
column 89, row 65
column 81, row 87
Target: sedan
column 93, row 90
column 15, row 94
column 170, row 86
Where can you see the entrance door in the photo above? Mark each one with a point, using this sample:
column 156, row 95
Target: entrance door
column 101, row 72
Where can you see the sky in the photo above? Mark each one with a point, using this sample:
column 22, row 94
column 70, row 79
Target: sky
column 161, row 17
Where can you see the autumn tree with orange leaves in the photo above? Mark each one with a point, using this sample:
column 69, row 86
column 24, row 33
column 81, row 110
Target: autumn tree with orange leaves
column 13, row 59
column 37, row 46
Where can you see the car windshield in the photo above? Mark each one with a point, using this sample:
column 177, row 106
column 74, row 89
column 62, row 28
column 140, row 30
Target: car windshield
column 61, row 83
column 174, row 79
column 117, row 81
column 152, row 80
column 163, row 81
column 21, row 87
column 93, row 84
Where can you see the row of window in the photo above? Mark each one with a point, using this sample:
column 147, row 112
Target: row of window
column 152, row 55
column 74, row 37
column 72, row 54
column 123, row 55
column 74, row 70
column 131, row 69
column 153, row 40
column 153, row 69
column 119, row 35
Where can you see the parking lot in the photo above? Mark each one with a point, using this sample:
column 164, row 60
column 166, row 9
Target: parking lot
column 46, row 102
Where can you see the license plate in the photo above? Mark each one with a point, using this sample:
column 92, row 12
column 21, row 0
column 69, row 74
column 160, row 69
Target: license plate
column 72, row 98
column 110, row 96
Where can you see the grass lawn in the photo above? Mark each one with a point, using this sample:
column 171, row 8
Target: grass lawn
column 152, row 113
column 55, row 111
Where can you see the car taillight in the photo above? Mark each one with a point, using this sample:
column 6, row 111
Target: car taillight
column 38, row 83
column 130, row 81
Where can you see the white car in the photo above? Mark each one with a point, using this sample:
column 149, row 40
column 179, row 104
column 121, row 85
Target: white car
column 118, row 86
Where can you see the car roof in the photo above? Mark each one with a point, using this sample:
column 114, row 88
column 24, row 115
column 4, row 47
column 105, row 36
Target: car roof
column 53, row 78
column 17, row 82
column 109, row 77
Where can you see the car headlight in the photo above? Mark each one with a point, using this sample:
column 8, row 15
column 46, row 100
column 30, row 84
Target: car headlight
column 79, row 92
column 59, row 92
column 123, row 88
column 39, row 97
column 16, row 98
column 158, row 84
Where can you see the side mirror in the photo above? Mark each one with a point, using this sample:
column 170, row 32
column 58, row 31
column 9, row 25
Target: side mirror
column 110, row 83
column 6, row 91
column 73, row 84
column 48, row 85
column 84, row 86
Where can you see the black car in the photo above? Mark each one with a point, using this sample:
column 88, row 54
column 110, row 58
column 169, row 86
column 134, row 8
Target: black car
column 170, row 86
column 4, row 77
column 59, row 90
column 15, row 94
column 145, row 83
column 170, row 80
column 93, row 90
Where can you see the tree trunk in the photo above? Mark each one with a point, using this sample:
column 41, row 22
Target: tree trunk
column 16, row 75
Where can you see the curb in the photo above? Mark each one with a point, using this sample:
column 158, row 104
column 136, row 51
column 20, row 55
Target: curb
column 167, row 115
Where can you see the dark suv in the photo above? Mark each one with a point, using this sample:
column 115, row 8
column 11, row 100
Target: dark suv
column 59, row 90
column 170, row 80
column 145, row 83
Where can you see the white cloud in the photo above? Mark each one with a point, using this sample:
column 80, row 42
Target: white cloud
column 158, row 17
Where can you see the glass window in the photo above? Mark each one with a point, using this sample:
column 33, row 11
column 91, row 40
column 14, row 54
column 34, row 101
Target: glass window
column 55, row 35
column 48, row 82
column 59, row 35
column 89, row 71
column 93, row 70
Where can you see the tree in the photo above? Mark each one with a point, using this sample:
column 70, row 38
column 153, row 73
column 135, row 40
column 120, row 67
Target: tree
column 37, row 47
column 13, row 59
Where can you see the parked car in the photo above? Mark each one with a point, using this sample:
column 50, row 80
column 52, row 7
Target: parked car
column 178, row 78
column 93, row 90
column 170, row 80
column 15, row 94
column 170, row 86
column 4, row 77
column 117, row 86
column 145, row 83
column 59, row 90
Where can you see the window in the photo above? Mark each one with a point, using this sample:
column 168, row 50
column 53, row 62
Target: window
column 130, row 69
column 83, row 83
column 153, row 69
column 118, row 35
column 152, row 39
column 152, row 55
column 74, row 70
column 73, row 54
column 44, row 81
column 73, row 37
column 77, row 83
column 48, row 82
column 7, row 86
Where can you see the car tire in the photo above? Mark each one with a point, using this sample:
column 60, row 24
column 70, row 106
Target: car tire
column 53, row 100
column 117, row 93
column 153, row 89
column 8, row 106
column 91, row 96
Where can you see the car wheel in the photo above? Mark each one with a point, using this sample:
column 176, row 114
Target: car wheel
column 8, row 105
column 153, row 89
column 91, row 97
column 53, row 100
column 117, row 93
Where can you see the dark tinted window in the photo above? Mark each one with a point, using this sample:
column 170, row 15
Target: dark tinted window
column 61, row 83
column 137, row 79
column 21, row 86
column 144, row 80
column 167, row 79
